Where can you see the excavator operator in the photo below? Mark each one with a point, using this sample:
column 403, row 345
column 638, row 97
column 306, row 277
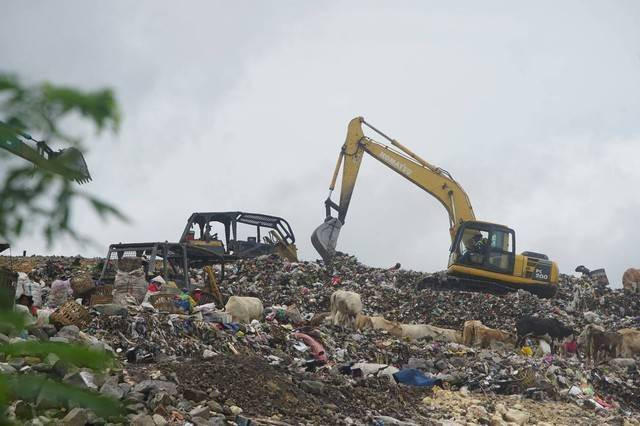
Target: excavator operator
column 477, row 246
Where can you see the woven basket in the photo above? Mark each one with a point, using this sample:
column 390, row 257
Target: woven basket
column 70, row 313
column 165, row 302
column 82, row 284
column 102, row 295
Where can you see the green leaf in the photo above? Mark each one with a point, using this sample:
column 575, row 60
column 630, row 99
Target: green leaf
column 104, row 210
column 66, row 395
column 33, row 195
column 80, row 356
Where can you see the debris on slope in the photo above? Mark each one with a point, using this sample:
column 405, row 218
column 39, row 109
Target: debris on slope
column 182, row 364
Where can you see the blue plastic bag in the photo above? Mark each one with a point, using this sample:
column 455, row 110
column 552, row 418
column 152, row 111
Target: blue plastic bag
column 415, row 377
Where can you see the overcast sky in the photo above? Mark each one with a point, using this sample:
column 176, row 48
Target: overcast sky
column 533, row 107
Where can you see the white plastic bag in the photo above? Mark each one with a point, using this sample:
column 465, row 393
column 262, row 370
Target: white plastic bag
column 131, row 283
column 60, row 293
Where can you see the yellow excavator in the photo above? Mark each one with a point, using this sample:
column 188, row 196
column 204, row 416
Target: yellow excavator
column 482, row 254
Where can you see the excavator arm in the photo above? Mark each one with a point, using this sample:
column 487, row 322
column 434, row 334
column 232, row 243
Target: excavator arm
column 432, row 179
column 67, row 162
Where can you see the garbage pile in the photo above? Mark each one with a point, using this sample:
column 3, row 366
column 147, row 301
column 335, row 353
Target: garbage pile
column 185, row 358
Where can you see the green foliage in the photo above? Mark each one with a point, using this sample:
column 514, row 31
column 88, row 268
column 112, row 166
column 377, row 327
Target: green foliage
column 31, row 386
column 11, row 321
column 40, row 108
column 46, row 195
column 79, row 356
column 25, row 386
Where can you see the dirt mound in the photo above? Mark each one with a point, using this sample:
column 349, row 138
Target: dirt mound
column 264, row 390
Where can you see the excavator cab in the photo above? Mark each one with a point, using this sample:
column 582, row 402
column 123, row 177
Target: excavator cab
column 483, row 255
column 484, row 245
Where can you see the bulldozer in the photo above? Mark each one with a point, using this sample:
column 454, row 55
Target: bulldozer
column 68, row 162
column 482, row 255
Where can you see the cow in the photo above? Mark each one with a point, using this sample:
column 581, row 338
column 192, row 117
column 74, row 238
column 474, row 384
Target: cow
column 244, row 309
column 630, row 346
column 476, row 333
column 539, row 327
column 364, row 322
column 599, row 343
column 345, row 307
column 422, row 331
column 631, row 280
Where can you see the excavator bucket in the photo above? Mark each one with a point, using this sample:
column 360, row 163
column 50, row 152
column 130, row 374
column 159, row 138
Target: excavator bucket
column 70, row 163
column 325, row 238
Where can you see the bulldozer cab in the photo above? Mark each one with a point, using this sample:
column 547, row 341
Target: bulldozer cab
column 222, row 236
column 484, row 245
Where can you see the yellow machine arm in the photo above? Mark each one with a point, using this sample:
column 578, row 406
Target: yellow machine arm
column 434, row 180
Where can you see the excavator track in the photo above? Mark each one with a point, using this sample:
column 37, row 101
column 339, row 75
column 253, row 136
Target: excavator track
column 446, row 282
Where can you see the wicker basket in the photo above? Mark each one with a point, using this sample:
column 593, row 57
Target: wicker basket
column 70, row 313
column 165, row 302
column 82, row 284
column 102, row 295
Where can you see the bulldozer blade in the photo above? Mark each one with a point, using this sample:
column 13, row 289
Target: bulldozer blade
column 325, row 238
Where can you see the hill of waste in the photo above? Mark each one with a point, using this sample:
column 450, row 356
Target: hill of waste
column 177, row 368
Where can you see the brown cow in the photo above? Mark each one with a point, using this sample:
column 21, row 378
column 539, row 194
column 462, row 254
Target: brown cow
column 599, row 344
column 631, row 280
column 364, row 322
column 476, row 333
column 630, row 342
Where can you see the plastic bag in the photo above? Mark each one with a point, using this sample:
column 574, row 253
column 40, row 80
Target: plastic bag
column 60, row 293
column 131, row 283
column 29, row 288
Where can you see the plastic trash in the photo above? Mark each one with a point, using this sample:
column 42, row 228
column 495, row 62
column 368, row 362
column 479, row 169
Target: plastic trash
column 526, row 351
column 415, row 377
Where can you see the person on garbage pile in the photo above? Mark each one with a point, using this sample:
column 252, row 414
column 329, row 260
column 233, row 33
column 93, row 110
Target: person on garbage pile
column 570, row 347
column 27, row 301
column 197, row 295
column 156, row 284
column 185, row 301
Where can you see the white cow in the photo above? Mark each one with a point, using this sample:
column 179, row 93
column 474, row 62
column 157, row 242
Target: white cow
column 244, row 309
column 421, row 331
column 345, row 306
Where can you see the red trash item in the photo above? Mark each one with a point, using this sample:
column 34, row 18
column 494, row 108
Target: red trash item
column 316, row 348
column 336, row 280
column 571, row 347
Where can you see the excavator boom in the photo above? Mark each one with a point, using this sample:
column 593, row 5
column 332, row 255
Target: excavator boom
column 432, row 179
